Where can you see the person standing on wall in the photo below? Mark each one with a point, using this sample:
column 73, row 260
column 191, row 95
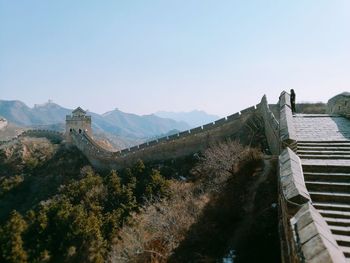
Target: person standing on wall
column 292, row 100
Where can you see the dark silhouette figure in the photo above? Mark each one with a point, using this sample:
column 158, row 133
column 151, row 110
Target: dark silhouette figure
column 292, row 100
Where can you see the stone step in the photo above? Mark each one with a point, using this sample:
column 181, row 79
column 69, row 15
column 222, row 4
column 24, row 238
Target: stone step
column 326, row 144
column 327, row 177
column 330, row 197
column 337, row 187
column 326, row 157
column 334, row 214
column 342, row 240
column 313, row 152
column 323, row 148
column 326, row 168
column 323, row 142
column 340, row 230
column 331, row 206
column 346, row 251
column 337, row 221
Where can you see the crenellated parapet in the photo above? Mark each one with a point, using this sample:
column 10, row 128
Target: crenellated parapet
column 52, row 135
column 304, row 233
column 271, row 125
column 168, row 147
column 78, row 121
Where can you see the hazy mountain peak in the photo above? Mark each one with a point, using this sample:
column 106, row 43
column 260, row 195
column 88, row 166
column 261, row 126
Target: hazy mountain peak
column 193, row 118
column 116, row 122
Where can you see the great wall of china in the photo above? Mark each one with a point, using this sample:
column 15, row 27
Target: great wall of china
column 313, row 153
column 174, row 146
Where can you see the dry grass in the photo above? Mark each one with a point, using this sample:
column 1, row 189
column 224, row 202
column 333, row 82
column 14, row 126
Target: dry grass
column 162, row 225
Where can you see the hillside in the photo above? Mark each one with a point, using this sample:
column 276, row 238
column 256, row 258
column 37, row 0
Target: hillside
column 56, row 208
column 128, row 128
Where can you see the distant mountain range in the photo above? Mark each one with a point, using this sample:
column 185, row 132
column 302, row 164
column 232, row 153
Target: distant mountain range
column 130, row 128
column 193, row 118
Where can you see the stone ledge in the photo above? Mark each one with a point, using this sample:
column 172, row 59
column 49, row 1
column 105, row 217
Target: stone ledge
column 287, row 129
column 292, row 178
column 271, row 126
column 285, row 99
column 314, row 238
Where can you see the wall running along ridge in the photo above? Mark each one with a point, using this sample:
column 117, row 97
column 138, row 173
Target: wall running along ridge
column 271, row 126
column 304, row 234
column 169, row 147
column 49, row 134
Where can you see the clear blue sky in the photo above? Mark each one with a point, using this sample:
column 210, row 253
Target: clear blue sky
column 144, row 56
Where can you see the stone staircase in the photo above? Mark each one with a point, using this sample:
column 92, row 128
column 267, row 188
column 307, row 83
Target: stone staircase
column 326, row 167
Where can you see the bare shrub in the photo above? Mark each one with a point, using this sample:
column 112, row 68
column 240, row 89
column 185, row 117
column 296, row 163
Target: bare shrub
column 220, row 161
column 161, row 226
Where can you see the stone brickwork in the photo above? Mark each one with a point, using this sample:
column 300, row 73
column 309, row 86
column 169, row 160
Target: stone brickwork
column 174, row 146
column 339, row 104
column 292, row 179
column 287, row 130
column 271, row 126
column 313, row 238
column 304, row 234
column 50, row 134
column 292, row 194
column 78, row 121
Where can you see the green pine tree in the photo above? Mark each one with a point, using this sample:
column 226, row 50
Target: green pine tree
column 11, row 243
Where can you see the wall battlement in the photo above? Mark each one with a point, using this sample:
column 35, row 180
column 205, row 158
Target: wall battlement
column 173, row 146
column 78, row 121
column 294, row 201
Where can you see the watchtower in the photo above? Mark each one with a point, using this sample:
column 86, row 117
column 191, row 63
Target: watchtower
column 79, row 122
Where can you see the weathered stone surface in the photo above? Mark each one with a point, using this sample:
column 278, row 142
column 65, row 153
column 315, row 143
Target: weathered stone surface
column 152, row 142
column 271, row 126
column 339, row 104
column 284, row 99
column 321, row 128
column 234, row 116
column 292, row 178
column 134, row 148
column 125, row 151
column 174, row 136
column 196, row 130
column 184, row 133
column 314, row 237
column 208, row 126
column 143, row 145
column 248, row 110
column 287, row 129
column 163, row 139
column 220, row 121
column 78, row 121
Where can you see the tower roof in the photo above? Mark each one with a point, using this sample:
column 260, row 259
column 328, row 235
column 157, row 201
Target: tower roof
column 79, row 111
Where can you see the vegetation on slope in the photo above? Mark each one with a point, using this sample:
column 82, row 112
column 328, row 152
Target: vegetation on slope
column 65, row 212
column 56, row 208
column 227, row 204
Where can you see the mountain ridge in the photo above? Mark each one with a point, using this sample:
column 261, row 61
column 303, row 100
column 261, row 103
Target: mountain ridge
column 125, row 125
column 194, row 118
